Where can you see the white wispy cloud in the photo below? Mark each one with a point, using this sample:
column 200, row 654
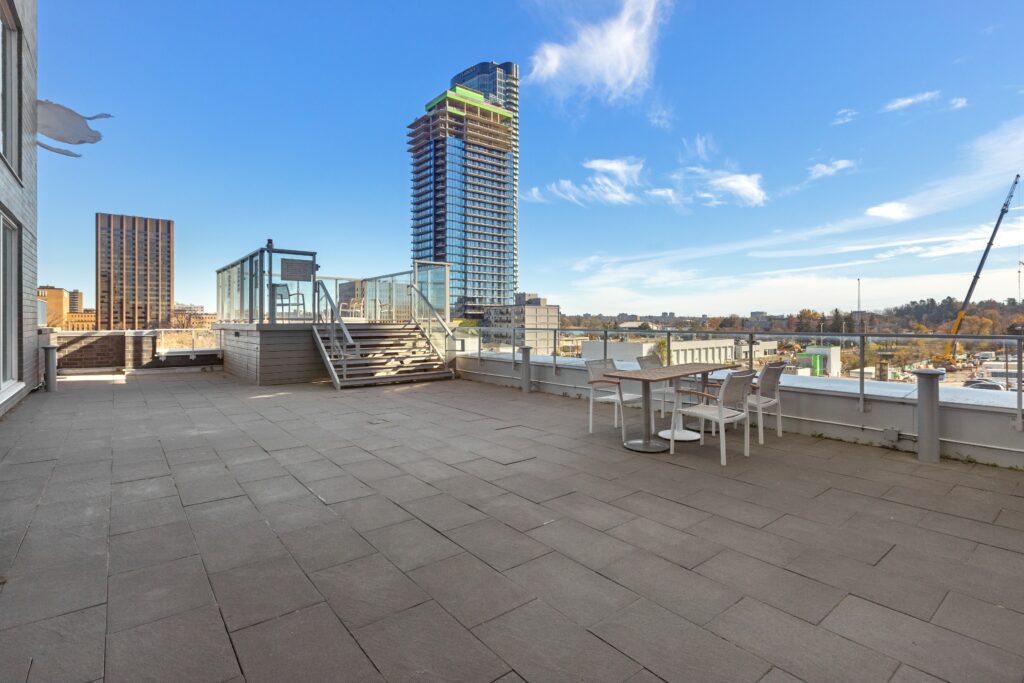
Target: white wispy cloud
column 904, row 102
column 892, row 211
column 625, row 170
column 660, row 116
column 822, row 170
column 745, row 188
column 778, row 293
column 987, row 166
column 963, row 240
column 614, row 181
column 844, row 116
column 533, row 195
column 612, row 59
column 958, row 103
column 701, row 147
column 666, row 194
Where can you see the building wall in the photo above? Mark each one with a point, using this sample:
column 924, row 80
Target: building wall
column 266, row 355
column 536, row 320
column 18, row 201
column 58, row 305
column 81, row 322
column 134, row 272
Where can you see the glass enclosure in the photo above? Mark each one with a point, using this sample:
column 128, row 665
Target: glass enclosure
column 268, row 286
column 386, row 298
column 281, row 286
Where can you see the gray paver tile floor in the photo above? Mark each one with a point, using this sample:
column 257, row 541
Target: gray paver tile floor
column 192, row 527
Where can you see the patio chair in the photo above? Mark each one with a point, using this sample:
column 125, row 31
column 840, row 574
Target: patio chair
column 768, row 396
column 728, row 407
column 288, row 303
column 351, row 309
column 596, row 370
column 662, row 391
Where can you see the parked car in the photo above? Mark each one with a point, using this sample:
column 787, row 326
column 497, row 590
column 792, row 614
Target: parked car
column 984, row 384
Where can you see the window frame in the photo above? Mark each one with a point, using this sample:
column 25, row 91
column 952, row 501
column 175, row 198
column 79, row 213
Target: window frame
column 10, row 300
column 10, row 90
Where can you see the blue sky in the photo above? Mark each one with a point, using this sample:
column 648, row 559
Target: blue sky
column 698, row 157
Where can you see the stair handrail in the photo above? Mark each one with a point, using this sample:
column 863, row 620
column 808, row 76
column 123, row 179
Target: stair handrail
column 336, row 318
column 334, row 324
column 448, row 334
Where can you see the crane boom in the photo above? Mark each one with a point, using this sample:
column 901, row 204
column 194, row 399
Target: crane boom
column 951, row 346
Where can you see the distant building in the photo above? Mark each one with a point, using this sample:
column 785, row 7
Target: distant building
column 193, row 316
column 639, row 324
column 76, row 301
column 820, row 361
column 695, row 351
column 134, row 272
column 57, row 305
column 535, row 315
column 762, row 349
column 81, row 322
column 465, row 166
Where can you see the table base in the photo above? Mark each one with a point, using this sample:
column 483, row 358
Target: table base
column 681, row 435
column 646, row 446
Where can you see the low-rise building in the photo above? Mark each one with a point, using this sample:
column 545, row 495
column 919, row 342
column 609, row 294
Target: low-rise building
column 531, row 313
column 58, row 304
column 689, row 351
column 762, row 350
column 82, row 321
column 823, row 361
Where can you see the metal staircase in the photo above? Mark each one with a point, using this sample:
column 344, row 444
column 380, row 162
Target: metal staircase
column 369, row 353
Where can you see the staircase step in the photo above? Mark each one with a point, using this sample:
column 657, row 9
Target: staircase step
column 396, row 379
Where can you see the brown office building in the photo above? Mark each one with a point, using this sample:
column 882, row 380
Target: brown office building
column 134, row 272
column 76, row 301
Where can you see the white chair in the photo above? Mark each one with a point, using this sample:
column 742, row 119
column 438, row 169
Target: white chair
column 596, row 370
column 768, row 396
column 728, row 407
column 661, row 391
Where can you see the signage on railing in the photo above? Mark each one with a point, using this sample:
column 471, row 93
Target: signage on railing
column 296, row 270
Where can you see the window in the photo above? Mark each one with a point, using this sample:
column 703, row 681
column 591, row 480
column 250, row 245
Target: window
column 9, row 297
column 10, row 90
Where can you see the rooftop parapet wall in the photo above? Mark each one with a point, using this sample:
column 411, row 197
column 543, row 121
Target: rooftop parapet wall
column 130, row 349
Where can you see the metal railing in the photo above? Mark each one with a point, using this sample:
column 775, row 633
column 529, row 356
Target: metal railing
column 877, row 362
column 269, row 285
column 340, row 343
column 187, row 341
column 387, row 298
column 433, row 326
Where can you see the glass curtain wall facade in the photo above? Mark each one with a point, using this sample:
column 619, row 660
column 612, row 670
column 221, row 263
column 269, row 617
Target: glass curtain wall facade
column 464, row 187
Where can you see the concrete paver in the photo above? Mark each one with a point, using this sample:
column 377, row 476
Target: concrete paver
column 193, row 527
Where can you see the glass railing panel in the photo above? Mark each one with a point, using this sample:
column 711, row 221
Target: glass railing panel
column 496, row 340
column 571, row 342
column 291, row 290
column 467, row 340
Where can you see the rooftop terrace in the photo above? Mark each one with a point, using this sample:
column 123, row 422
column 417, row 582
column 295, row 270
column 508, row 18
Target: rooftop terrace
column 191, row 527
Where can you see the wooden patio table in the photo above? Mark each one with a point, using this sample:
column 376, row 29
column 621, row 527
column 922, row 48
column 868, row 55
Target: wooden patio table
column 656, row 444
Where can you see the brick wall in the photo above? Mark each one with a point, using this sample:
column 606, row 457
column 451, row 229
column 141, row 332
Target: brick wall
column 81, row 350
column 136, row 350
